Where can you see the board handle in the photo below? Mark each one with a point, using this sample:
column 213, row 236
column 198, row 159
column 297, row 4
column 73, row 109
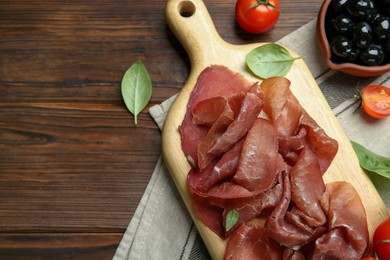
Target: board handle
column 192, row 25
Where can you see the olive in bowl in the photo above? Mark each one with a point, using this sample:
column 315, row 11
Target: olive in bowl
column 354, row 36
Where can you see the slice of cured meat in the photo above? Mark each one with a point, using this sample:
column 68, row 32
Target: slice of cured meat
column 239, row 173
column 284, row 231
column 227, row 166
column 291, row 146
column 347, row 237
column 218, row 143
column 216, row 131
column 253, row 207
column 251, row 242
column 209, row 110
column 305, row 175
column 281, row 105
column 201, row 181
column 258, row 163
column 289, row 118
column 214, row 81
column 210, row 215
column 319, row 142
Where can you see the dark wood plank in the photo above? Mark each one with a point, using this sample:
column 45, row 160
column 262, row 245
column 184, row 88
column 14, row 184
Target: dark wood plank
column 58, row 246
column 76, row 166
column 73, row 166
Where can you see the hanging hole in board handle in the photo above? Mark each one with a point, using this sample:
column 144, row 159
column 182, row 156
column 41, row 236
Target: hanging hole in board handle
column 187, row 9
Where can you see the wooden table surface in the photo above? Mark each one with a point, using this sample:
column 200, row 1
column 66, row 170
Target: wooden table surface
column 73, row 166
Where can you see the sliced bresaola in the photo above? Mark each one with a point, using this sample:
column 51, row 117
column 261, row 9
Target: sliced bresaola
column 347, row 236
column 213, row 211
column 210, row 215
column 227, row 165
column 214, row 133
column 289, row 118
column 253, row 207
column 210, row 110
column 281, row 105
column 200, row 182
column 291, row 146
column 214, row 81
column 259, row 156
column 251, row 242
column 246, row 170
column 319, row 142
column 307, row 188
column 218, row 142
column 282, row 230
column 218, row 128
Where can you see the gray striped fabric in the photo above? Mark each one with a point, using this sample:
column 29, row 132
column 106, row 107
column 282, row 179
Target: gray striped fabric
column 161, row 227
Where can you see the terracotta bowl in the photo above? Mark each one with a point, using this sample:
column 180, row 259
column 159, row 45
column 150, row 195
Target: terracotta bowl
column 348, row 68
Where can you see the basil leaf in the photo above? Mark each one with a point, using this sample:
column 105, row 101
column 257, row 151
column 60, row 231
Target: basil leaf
column 136, row 88
column 269, row 60
column 371, row 161
column 231, row 219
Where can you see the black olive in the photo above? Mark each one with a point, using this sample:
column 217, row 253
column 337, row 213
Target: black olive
column 353, row 55
column 372, row 56
column 362, row 34
column 339, row 5
column 362, row 9
column 343, row 23
column 381, row 28
column 341, row 46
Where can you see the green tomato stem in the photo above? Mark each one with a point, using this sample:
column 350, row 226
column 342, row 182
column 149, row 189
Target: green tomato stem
column 263, row 2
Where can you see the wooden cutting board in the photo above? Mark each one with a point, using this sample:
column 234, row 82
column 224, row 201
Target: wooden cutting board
column 192, row 25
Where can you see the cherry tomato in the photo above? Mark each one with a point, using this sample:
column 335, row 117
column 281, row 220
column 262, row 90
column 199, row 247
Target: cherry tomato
column 376, row 101
column 368, row 258
column 382, row 240
column 257, row 16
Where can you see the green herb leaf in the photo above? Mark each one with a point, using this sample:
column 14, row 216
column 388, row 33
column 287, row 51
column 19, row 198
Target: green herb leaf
column 136, row 88
column 231, row 219
column 269, row 60
column 371, row 161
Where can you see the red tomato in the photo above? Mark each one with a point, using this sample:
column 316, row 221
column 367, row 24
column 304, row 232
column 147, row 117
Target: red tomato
column 376, row 101
column 257, row 16
column 368, row 258
column 382, row 240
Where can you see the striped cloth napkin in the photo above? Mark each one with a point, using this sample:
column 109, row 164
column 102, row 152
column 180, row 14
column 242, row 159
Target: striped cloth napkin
column 161, row 227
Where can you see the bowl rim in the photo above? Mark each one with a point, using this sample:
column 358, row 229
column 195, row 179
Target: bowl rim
column 347, row 67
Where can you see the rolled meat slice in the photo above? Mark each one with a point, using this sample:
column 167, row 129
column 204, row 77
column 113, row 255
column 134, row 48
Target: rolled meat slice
column 216, row 144
column 347, row 237
column 214, row 81
column 307, row 187
column 289, row 119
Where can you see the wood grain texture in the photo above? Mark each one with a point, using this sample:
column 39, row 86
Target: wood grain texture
column 193, row 26
column 71, row 159
column 58, row 246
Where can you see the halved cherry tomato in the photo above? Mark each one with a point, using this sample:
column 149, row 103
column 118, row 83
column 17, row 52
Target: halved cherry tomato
column 257, row 16
column 381, row 240
column 376, row 101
